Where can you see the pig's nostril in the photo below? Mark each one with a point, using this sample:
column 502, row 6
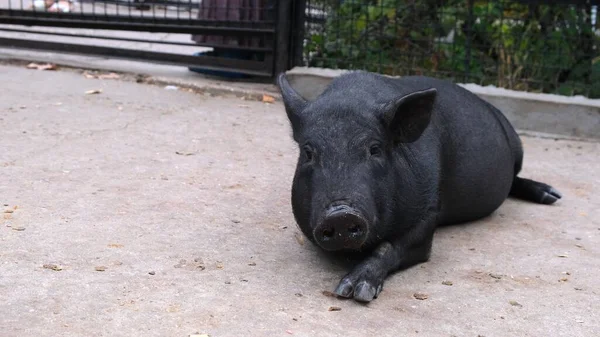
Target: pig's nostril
column 354, row 229
column 328, row 233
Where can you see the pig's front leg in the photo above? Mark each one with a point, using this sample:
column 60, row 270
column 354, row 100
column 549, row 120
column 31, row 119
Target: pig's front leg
column 365, row 281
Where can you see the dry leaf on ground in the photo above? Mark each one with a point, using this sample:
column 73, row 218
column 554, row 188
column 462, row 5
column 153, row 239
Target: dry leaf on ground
column 109, row 76
column 268, row 99
column 52, row 267
column 299, row 238
column 420, row 296
column 184, row 153
column 106, row 76
column 45, row 66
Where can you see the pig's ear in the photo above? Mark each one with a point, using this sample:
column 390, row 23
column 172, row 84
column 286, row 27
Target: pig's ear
column 294, row 103
column 409, row 115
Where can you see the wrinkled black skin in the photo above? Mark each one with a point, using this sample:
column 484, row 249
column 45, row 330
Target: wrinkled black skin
column 446, row 157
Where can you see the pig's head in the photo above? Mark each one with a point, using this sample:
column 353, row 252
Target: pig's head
column 345, row 185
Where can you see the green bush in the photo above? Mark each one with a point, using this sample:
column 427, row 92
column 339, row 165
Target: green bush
column 537, row 48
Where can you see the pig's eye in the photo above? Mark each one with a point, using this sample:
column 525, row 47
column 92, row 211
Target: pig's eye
column 308, row 152
column 375, row 150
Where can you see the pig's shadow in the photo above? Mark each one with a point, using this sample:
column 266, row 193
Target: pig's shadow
column 339, row 261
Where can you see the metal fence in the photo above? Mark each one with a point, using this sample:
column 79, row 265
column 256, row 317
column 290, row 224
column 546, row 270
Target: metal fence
column 249, row 37
column 536, row 46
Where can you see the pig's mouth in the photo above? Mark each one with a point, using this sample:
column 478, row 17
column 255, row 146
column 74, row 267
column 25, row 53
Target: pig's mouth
column 342, row 228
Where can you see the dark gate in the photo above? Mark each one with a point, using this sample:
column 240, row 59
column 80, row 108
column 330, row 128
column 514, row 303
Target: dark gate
column 253, row 37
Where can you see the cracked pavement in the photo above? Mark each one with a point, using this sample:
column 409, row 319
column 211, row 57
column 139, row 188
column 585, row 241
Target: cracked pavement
column 142, row 211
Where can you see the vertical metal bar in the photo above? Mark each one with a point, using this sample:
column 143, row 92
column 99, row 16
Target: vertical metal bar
column 499, row 80
column 282, row 40
column 365, row 39
column 470, row 22
column 350, row 34
column 153, row 7
column 588, row 46
column 298, row 33
column 381, row 34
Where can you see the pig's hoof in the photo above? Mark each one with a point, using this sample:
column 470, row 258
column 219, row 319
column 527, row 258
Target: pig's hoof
column 360, row 290
column 345, row 289
column 550, row 196
column 365, row 292
column 535, row 191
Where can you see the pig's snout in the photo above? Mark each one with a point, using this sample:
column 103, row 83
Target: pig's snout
column 343, row 227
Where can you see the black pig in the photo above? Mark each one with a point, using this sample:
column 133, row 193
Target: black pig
column 384, row 161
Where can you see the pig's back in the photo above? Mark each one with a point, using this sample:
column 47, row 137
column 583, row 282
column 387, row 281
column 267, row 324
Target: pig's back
column 479, row 151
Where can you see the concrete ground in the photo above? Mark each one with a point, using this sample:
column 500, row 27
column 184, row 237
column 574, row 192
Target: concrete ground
column 141, row 211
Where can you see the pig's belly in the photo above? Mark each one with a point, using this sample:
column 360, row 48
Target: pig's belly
column 476, row 180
